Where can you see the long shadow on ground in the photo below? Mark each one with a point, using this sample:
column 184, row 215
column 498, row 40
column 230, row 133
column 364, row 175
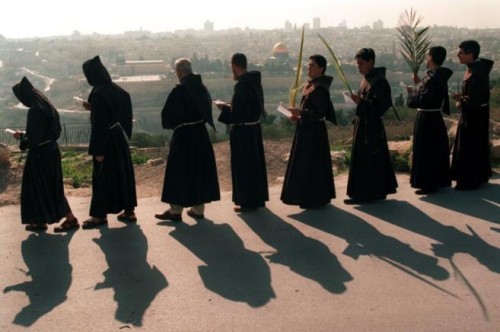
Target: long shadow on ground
column 230, row 270
column 134, row 282
column 47, row 258
column 451, row 240
column 305, row 256
column 482, row 203
column 365, row 239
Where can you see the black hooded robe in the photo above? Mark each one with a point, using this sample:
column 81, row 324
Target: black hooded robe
column 430, row 167
column 113, row 180
column 471, row 165
column 42, row 188
column 309, row 176
column 248, row 163
column 371, row 175
column 191, row 172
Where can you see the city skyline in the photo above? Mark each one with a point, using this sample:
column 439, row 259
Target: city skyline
column 30, row 18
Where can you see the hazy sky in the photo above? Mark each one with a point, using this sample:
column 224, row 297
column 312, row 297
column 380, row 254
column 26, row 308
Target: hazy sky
column 30, row 18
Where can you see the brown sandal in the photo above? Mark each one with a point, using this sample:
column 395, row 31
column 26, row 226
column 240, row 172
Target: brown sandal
column 67, row 225
column 94, row 223
column 127, row 217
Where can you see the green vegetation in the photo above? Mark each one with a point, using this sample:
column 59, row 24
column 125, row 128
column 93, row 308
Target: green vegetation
column 400, row 162
column 414, row 41
column 76, row 166
column 143, row 140
column 138, row 159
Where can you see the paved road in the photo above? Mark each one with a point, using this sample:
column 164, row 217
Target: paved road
column 410, row 263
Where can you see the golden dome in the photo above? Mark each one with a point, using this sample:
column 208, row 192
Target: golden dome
column 280, row 48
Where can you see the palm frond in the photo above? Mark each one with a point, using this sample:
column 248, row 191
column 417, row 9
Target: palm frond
column 295, row 88
column 414, row 40
column 336, row 63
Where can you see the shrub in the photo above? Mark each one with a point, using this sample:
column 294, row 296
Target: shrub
column 145, row 140
column 138, row 159
column 400, row 163
column 77, row 167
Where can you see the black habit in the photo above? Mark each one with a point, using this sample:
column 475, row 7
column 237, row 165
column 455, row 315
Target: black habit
column 42, row 189
column 471, row 165
column 248, row 163
column 113, row 180
column 430, row 167
column 309, row 176
column 191, row 173
column 371, row 175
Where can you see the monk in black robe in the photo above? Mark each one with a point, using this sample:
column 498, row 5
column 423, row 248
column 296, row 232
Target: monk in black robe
column 42, row 190
column 113, row 180
column 191, row 174
column 309, row 175
column 471, row 164
column 430, row 167
column 371, row 175
column 248, row 163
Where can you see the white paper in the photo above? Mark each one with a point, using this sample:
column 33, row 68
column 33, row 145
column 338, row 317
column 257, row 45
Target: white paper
column 10, row 131
column 283, row 110
column 347, row 98
column 219, row 102
column 79, row 99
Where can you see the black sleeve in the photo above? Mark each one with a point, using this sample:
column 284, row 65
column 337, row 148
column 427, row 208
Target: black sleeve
column 36, row 124
column 172, row 112
column 100, row 118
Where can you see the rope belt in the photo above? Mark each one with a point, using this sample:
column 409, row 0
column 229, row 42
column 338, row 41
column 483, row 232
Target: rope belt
column 484, row 105
column 43, row 143
column 428, row 110
column 245, row 124
column 188, row 124
column 116, row 124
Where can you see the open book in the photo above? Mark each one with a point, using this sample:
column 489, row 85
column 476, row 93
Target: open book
column 283, row 110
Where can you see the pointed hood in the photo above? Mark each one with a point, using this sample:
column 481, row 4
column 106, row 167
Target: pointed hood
column 24, row 92
column 200, row 96
column 443, row 74
column 95, row 72
column 254, row 79
column 481, row 67
column 30, row 97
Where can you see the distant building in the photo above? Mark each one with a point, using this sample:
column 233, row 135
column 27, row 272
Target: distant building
column 278, row 63
column 378, row 25
column 138, row 33
column 280, row 51
column 316, row 23
column 142, row 67
column 208, row 26
column 288, row 26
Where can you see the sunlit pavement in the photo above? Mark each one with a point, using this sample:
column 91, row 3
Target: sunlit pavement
column 411, row 263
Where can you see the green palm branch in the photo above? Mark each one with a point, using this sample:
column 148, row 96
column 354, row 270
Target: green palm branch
column 295, row 88
column 414, row 40
column 336, row 63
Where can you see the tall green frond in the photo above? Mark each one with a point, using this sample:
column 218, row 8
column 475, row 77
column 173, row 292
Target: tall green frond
column 414, row 40
column 295, row 88
column 336, row 63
